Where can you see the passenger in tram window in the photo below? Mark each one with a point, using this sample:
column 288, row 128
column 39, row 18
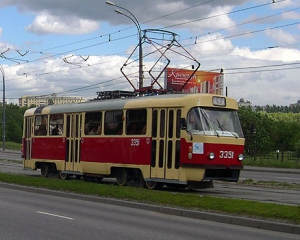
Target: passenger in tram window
column 109, row 128
column 120, row 129
column 194, row 122
column 113, row 128
column 144, row 129
column 99, row 129
column 87, row 129
column 42, row 131
column 133, row 129
column 55, row 131
column 93, row 131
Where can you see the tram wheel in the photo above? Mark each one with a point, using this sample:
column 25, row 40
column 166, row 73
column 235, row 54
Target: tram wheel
column 99, row 179
column 77, row 177
column 45, row 170
column 121, row 176
column 63, row 176
column 153, row 185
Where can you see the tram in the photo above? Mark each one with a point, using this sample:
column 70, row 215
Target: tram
column 183, row 140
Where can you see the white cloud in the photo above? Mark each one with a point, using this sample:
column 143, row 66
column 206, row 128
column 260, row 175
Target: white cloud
column 283, row 4
column 261, row 86
column 211, row 45
column 291, row 15
column 54, row 76
column 281, row 37
column 47, row 73
column 273, row 54
column 45, row 23
column 222, row 21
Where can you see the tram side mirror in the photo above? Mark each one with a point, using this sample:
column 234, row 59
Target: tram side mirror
column 182, row 123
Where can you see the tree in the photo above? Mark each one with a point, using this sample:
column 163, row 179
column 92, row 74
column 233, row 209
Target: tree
column 14, row 122
column 267, row 132
column 257, row 128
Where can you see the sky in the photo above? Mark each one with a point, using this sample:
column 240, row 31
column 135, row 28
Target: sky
column 77, row 48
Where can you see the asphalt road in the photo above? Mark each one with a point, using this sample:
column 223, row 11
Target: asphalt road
column 271, row 174
column 10, row 155
column 29, row 215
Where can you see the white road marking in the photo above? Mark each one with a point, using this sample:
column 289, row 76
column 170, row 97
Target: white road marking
column 288, row 178
column 54, row 215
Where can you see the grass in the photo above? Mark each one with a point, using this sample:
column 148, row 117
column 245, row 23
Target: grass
column 263, row 162
column 185, row 199
column 11, row 145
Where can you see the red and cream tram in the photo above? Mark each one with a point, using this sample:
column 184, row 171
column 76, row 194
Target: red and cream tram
column 183, row 140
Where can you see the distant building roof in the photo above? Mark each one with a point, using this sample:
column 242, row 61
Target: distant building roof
column 295, row 104
column 244, row 103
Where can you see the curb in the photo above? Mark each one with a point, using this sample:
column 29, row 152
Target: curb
column 215, row 217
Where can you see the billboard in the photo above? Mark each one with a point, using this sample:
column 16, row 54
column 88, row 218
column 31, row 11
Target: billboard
column 201, row 81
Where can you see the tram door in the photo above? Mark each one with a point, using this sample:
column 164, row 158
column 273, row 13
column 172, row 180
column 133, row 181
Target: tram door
column 165, row 143
column 73, row 142
column 27, row 141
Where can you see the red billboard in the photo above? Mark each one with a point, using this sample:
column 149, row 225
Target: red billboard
column 201, row 81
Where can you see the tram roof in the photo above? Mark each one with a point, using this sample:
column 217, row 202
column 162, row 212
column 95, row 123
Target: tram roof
column 165, row 100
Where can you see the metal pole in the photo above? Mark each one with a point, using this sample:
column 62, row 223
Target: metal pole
column 4, row 118
column 136, row 22
column 141, row 80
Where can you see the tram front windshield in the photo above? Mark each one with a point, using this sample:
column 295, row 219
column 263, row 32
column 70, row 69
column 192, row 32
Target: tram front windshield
column 214, row 122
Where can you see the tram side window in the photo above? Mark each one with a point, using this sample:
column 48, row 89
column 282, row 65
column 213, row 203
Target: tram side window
column 136, row 122
column 113, row 123
column 56, row 124
column 40, row 125
column 93, row 123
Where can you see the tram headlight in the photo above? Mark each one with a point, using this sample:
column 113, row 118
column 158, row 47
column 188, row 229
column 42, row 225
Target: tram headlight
column 240, row 157
column 190, row 152
column 211, row 156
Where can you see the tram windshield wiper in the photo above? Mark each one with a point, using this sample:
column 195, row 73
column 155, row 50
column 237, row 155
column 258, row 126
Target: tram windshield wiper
column 208, row 122
column 222, row 128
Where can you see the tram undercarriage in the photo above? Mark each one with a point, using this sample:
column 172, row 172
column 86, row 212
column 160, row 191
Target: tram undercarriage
column 124, row 177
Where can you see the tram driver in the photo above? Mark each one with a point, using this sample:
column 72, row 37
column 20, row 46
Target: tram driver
column 194, row 121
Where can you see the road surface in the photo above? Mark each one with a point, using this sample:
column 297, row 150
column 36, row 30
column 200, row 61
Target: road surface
column 29, row 215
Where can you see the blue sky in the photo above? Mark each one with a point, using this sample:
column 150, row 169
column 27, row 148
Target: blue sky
column 78, row 47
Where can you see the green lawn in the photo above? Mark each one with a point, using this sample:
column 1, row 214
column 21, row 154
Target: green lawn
column 272, row 163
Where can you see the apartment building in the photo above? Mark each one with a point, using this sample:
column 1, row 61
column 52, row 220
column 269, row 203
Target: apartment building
column 29, row 100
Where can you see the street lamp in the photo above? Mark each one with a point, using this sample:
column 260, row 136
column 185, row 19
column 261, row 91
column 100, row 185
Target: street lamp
column 3, row 126
column 136, row 23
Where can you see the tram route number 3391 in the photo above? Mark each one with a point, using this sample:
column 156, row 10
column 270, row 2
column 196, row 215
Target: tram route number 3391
column 226, row 154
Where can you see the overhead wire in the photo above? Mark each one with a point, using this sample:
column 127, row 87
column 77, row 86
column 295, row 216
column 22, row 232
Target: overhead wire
column 76, row 42
column 221, row 14
column 74, row 50
column 166, row 27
